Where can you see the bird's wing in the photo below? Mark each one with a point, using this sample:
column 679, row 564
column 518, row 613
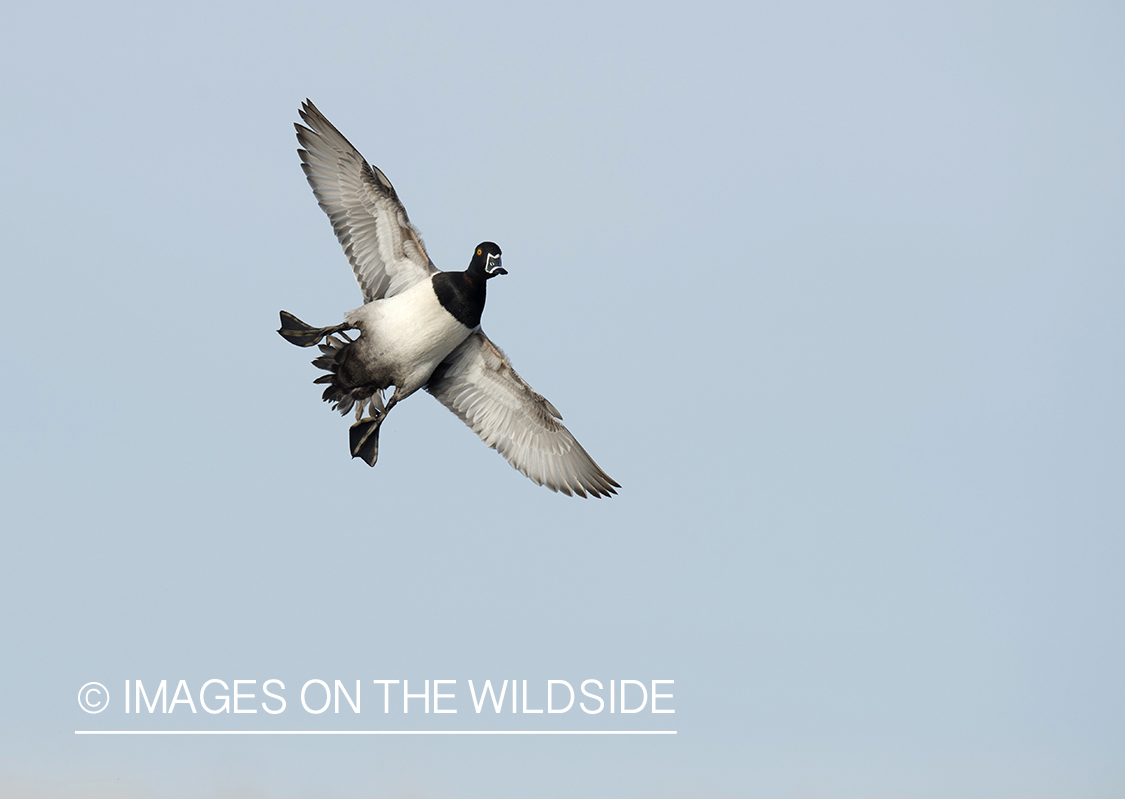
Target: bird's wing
column 385, row 250
column 478, row 384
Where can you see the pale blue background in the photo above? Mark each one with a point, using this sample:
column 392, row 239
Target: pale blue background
column 835, row 292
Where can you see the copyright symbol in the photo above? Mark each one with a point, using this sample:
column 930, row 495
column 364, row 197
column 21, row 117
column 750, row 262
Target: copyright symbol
column 93, row 697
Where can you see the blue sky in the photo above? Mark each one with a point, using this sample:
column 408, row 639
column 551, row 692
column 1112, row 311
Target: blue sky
column 834, row 292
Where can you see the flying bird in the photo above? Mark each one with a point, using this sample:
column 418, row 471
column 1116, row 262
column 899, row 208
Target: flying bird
column 419, row 328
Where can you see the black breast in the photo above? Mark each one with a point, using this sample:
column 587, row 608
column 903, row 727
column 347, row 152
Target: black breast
column 462, row 296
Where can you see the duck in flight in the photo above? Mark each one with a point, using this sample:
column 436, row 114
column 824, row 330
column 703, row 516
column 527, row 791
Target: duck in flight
column 419, row 328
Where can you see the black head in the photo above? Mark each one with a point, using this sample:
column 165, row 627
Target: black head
column 486, row 259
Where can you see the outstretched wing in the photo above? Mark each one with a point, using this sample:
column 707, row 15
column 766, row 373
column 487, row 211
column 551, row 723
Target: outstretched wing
column 478, row 384
column 386, row 252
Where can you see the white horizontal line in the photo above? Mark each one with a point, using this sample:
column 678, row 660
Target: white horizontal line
column 375, row 732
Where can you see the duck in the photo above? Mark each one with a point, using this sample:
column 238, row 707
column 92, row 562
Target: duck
column 420, row 328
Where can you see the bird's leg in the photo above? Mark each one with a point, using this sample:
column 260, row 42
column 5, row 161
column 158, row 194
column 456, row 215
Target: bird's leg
column 297, row 332
column 364, row 434
column 376, row 406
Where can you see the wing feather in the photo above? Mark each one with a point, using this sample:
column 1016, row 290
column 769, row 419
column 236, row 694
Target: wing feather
column 385, row 250
column 478, row 384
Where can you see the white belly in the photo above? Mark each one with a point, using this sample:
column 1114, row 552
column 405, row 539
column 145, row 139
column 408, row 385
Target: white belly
column 403, row 338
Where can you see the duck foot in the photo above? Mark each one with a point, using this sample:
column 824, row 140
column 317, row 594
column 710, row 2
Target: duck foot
column 364, row 439
column 297, row 332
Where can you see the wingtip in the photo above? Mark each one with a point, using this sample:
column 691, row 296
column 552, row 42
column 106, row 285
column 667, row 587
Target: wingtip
column 310, row 115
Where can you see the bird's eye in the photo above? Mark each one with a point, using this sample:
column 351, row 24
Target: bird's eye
column 478, row 252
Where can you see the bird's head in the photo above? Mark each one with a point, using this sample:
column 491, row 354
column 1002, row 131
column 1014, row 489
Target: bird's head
column 486, row 258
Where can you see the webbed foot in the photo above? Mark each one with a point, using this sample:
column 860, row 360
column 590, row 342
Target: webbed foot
column 297, row 332
column 364, row 439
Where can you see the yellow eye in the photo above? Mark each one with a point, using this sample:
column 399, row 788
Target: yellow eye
column 478, row 252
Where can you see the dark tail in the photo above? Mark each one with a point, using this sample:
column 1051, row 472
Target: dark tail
column 343, row 393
